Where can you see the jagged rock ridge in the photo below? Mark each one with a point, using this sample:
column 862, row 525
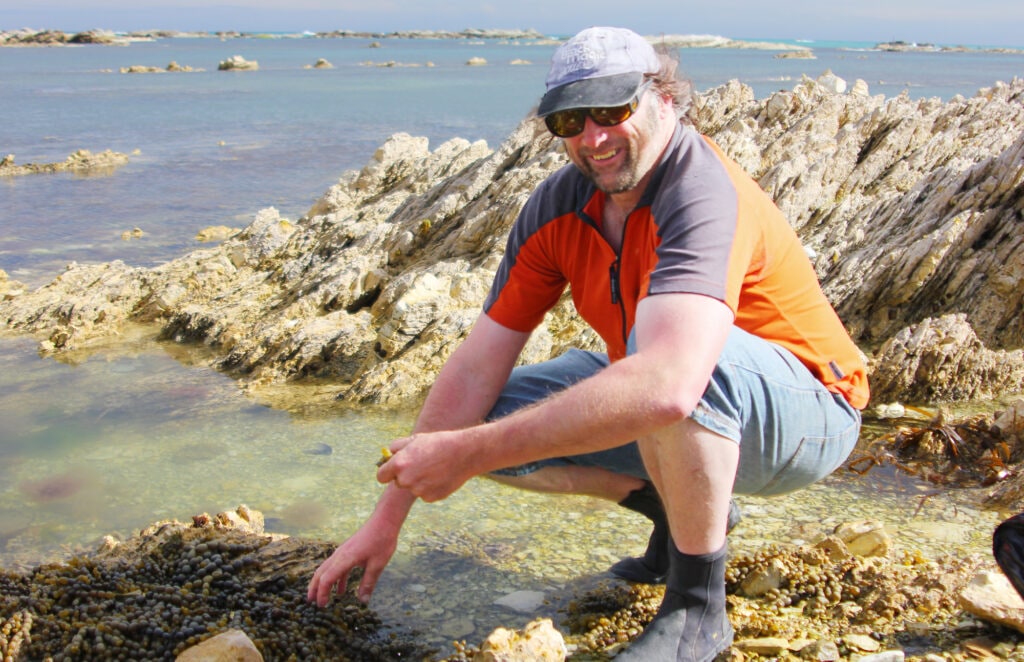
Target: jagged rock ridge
column 911, row 210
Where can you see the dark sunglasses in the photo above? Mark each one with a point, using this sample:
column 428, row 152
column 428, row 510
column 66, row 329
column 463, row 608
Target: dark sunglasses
column 569, row 123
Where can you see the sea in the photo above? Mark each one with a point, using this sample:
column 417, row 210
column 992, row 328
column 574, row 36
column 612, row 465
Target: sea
column 105, row 442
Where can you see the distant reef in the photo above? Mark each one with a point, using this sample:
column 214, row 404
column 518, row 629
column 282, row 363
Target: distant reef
column 32, row 37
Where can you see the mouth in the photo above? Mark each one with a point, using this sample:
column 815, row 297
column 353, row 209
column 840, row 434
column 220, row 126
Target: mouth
column 604, row 156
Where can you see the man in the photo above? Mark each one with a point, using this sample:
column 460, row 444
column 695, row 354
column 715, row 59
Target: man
column 725, row 362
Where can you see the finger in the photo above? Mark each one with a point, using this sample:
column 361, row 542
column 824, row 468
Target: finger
column 387, row 473
column 326, row 587
column 368, row 583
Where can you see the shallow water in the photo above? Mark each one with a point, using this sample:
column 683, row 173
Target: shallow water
column 123, row 437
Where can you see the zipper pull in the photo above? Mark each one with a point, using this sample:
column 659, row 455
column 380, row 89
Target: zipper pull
column 613, row 278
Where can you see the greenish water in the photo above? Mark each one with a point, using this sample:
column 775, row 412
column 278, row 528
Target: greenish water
column 122, row 437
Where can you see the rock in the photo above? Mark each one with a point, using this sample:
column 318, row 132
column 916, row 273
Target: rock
column 538, row 642
column 796, row 55
column 141, row 69
column 861, row 642
column 991, row 597
column 820, row 650
column 80, row 161
column 216, row 233
column 764, row 646
column 832, row 83
column 524, row 602
column 476, row 62
column 764, row 580
column 10, row 288
column 321, row 63
column 884, row 656
column 230, row 646
column 865, row 538
column 238, row 63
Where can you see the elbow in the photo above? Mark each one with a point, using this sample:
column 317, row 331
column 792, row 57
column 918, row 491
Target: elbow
column 673, row 407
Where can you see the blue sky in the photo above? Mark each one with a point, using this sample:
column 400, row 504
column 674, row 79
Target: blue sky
column 948, row 22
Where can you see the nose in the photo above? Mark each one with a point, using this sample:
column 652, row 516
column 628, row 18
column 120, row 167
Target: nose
column 593, row 134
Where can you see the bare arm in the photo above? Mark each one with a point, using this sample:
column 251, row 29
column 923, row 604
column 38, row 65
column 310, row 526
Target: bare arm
column 465, row 390
column 679, row 338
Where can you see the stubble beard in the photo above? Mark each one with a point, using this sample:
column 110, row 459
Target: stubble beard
column 624, row 179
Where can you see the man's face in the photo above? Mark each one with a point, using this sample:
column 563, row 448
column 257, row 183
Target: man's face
column 617, row 158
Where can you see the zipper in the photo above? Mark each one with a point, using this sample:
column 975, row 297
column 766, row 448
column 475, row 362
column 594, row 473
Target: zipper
column 613, row 278
column 616, row 283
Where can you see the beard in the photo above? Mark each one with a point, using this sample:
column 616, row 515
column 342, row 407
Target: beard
column 636, row 163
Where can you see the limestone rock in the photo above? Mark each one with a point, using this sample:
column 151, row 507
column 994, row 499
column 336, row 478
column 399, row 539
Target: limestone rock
column 540, row 641
column 865, row 538
column 909, row 210
column 216, row 233
column 238, row 63
column 763, row 646
column 991, row 597
column 81, row 160
column 230, row 646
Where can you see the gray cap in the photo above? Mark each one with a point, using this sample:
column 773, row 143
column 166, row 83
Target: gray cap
column 598, row 68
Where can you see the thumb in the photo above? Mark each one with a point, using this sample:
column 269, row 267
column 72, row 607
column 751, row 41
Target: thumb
column 386, row 473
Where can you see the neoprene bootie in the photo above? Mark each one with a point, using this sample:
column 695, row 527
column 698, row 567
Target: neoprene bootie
column 652, row 567
column 691, row 625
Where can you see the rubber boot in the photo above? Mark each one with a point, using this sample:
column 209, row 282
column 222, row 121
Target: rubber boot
column 652, row 567
column 691, row 625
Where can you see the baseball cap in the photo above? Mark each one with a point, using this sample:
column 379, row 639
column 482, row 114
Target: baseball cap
column 598, row 68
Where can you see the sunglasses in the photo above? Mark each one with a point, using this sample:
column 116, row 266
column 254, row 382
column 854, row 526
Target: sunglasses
column 569, row 123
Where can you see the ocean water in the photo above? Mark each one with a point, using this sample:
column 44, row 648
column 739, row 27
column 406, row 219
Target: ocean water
column 108, row 441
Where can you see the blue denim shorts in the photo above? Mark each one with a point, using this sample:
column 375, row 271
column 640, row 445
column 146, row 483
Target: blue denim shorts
column 791, row 430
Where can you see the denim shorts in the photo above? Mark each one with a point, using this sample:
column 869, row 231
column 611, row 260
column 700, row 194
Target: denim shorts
column 791, row 430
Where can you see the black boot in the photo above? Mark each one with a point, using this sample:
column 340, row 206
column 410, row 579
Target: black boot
column 652, row 567
column 691, row 625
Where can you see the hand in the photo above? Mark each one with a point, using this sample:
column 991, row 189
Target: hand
column 432, row 466
column 370, row 548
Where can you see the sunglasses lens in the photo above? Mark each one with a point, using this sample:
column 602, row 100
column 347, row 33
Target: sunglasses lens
column 566, row 123
column 611, row 116
column 569, row 123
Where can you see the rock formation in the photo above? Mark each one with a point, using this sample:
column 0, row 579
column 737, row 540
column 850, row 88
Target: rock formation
column 81, row 161
column 238, row 63
column 910, row 209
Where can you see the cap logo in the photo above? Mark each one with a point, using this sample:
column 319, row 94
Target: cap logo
column 581, row 57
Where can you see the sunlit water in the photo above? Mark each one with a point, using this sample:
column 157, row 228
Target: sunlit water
column 108, row 442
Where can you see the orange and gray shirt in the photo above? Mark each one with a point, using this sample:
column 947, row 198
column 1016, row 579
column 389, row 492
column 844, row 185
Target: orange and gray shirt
column 702, row 226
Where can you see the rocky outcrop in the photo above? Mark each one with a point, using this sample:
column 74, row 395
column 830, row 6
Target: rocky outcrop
column 145, row 69
column 910, row 209
column 238, row 63
column 81, row 161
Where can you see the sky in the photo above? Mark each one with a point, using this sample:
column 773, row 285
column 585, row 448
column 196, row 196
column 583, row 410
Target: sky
column 944, row 22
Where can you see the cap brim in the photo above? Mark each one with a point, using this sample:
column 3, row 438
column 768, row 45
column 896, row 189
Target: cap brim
column 602, row 92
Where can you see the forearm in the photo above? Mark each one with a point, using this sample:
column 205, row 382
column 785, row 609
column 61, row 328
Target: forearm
column 607, row 410
column 657, row 386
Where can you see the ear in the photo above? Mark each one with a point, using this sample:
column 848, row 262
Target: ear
column 666, row 106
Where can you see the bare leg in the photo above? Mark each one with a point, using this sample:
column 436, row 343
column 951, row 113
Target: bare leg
column 694, row 470
column 572, row 479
